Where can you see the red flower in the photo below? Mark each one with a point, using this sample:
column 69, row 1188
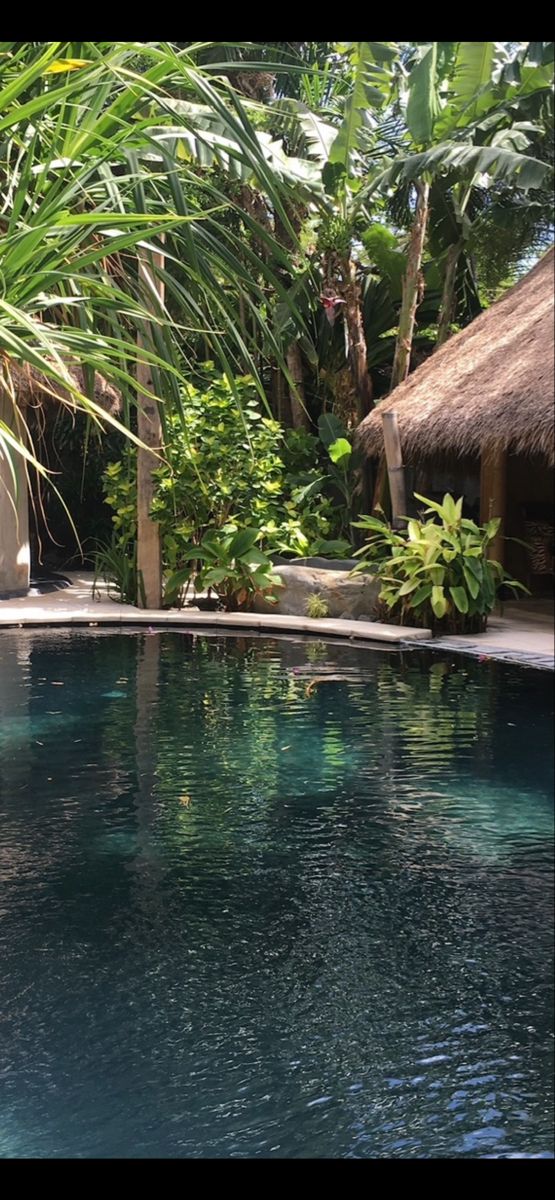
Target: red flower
column 331, row 304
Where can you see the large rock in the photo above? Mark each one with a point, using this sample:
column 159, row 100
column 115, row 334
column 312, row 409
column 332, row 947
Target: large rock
column 348, row 596
column 324, row 564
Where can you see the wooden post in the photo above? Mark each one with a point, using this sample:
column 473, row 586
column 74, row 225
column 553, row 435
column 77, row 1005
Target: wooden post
column 395, row 468
column 149, row 430
column 493, row 495
column 380, row 485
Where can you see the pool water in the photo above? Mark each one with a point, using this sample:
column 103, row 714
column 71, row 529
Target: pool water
column 237, row 920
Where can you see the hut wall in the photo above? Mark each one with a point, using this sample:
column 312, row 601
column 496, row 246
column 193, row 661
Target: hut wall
column 460, row 476
column 530, row 498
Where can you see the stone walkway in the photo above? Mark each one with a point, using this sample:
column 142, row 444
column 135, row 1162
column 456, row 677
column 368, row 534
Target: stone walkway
column 523, row 633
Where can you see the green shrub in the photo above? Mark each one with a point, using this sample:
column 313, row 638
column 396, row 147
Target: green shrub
column 435, row 573
column 228, row 466
column 229, row 564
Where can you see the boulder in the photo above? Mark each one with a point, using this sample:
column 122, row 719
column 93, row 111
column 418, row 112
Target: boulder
column 324, row 564
column 347, row 596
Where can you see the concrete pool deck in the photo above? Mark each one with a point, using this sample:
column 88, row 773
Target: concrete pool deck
column 522, row 633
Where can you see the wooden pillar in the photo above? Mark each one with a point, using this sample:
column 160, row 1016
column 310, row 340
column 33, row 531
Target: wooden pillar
column 149, row 430
column 15, row 557
column 395, row 468
column 493, row 496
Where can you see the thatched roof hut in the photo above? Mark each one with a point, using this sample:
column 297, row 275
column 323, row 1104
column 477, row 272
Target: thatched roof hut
column 491, row 386
column 33, row 389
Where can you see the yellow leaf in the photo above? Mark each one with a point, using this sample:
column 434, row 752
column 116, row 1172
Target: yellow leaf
column 67, row 64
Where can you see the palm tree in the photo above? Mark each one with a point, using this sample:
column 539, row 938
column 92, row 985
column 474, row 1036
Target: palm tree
column 97, row 173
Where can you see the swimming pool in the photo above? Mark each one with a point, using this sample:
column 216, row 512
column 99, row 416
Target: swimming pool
column 240, row 920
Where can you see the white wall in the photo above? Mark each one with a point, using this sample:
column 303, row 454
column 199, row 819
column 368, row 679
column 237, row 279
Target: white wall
column 14, row 516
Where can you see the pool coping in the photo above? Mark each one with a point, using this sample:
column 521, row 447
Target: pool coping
column 371, row 631
column 367, row 632
column 507, row 641
column 485, row 653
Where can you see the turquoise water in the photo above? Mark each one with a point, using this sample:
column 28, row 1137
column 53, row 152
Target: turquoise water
column 240, row 921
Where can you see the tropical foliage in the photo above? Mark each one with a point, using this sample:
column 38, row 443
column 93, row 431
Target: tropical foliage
column 316, row 607
column 231, row 565
column 225, row 470
column 436, row 573
column 316, row 217
column 97, row 167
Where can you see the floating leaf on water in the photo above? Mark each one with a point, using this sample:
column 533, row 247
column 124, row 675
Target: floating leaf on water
column 324, row 679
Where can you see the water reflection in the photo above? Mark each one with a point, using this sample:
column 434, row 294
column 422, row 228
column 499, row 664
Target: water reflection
column 240, row 920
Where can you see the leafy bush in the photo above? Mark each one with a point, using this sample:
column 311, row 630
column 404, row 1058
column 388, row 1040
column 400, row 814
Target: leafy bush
column 436, row 573
column 231, row 565
column 229, row 467
column 335, row 485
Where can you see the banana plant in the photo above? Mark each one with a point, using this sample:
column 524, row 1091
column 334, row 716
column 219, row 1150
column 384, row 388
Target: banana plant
column 338, row 139
column 387, row 137
column 458, row 121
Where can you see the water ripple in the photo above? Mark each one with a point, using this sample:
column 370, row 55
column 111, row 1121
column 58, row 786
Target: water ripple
column 237, row 920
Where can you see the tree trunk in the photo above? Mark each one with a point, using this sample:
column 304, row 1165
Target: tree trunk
column 448, row 297
column 395, row 468
column 380, row 485
column 411, row 283
column 279, row 396
column 299, row 415
column 149, row 430
column 299, row 418
column 403, row 347
column 358, row 351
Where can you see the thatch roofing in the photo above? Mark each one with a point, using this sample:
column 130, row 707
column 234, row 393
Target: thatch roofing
column 33, row 389
column 490, row 385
